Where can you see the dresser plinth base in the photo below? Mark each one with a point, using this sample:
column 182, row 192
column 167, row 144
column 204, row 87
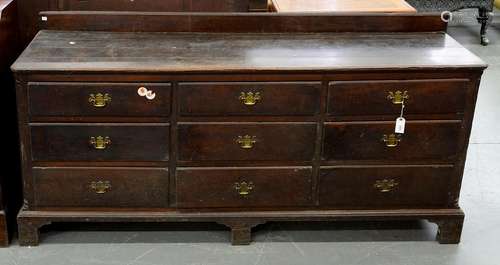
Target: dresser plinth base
column 449, row 229
column 449, row 221
column 241, row 230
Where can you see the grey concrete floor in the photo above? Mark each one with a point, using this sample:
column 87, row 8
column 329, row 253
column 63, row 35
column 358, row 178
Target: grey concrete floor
column 315, row 244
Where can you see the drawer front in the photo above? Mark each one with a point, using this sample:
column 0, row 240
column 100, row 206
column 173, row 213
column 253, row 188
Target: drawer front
column 94, row 99
column 246, row 141
column 244, row 187
column 207, row 99
column 100, row 143
column 351, row 98
column 385, row 187
column 430, row 140
column 100, row 187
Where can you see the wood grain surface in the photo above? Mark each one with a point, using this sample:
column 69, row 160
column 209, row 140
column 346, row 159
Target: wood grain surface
column 342, row 6
column 224, row 52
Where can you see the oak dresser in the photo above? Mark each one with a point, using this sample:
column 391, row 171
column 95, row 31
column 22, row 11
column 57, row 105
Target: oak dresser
column 244, row 127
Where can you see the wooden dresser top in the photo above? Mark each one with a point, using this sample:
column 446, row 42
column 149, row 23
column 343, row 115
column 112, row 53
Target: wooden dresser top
column 249, row 52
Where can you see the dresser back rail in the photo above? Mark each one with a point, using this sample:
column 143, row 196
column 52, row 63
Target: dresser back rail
column 239, row 22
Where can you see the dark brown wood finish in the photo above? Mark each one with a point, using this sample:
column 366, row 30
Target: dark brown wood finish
column 62, row 51
column 241, row 22
column 100, row 187
column 4, row 233
column 29, row 9
column 8, row 34
column 225, row 141
column 449, row 220
column 126, row 142
column 156, row 6
column 98, row 99
column 250, row 99
column 373, row 97
column 10, row 181
column 385, row 187
column 226, row 187
column 434, row 140
column 305, row 160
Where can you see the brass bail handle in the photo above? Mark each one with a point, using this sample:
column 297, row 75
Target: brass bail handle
column 100, row 187
column 391, row 140
column 243, row 188
column 246, row 141
column 385, row 185
column 100, row 142
column 250, row 98
column 398, row 97
column 99, row 100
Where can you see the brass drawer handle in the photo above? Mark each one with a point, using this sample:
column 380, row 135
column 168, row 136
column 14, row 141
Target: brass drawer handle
column 398, row 97
column 100, row 187
column 243, row 188
column 99, row 100
column 100, row 142
column 391, row 140
column 250, row 98
column 385, row 185
column 246, row 142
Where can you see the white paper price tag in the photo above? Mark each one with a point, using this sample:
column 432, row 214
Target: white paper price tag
column 400, row 125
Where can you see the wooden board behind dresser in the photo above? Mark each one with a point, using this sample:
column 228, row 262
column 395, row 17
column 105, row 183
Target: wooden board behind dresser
column 243, row 128
column 10, row 179
column 29, row 9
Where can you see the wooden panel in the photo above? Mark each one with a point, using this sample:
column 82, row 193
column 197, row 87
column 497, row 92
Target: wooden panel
column 242, row 53
column 370, row 97
column 371, row 6
column 385, row 187
column 156, row 6
column 10, row 182
column 423, row 140
column 217, row 187
column 72, row 99
column 130, row 142
column 273, row 98
column 219, row 141
column 123, row 5
column 121, row 187
column 29, row 9
column 218, row 6
column 4, row 235
column 242, row 22
column 8, row 34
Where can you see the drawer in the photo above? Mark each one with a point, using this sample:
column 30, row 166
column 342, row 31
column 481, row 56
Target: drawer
column 243, row 187
column 423, row 140
column 351, row 98
column 104, row 142
column 101, row 187
column 98, row 99
column 385, row 187
column 290, row 98
column 246, row 141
